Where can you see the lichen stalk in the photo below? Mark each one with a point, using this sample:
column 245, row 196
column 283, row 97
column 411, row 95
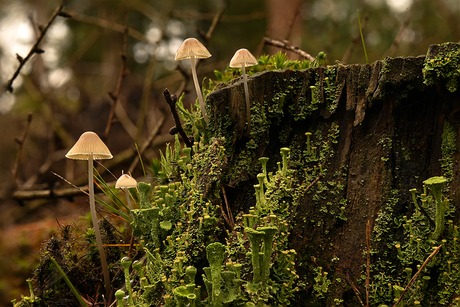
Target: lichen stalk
column 255, row 238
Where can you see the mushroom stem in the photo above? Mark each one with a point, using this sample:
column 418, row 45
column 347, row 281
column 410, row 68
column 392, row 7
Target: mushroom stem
column 100, row 247
column 246, row 94
column 198, row 88
column 128, row 199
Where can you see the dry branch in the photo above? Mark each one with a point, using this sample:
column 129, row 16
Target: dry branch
column 21, row 145
column 287, row 46
column 115, row 94
column 411, row 282
column 171, row 100
column 35, row 48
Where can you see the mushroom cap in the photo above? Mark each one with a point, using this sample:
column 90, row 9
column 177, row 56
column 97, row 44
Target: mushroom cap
column 191, row 47
column 243, row 57
column 89, row 144
column 125, row 181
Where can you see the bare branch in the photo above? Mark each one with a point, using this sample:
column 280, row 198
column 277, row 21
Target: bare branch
column 114, row 95
column 171, row 100
column 287, row 46
column 354, row 41
column 411, row 282
column 147, row 143
column 108, row 25
column 21, row 145
column 35, row 49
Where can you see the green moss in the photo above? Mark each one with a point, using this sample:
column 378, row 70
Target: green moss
column 441, row 66
column 448, row 149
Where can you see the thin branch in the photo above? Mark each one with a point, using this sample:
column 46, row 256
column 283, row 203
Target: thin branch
column 21, row 145
column 411, row 282
column 354, row 41
column 287, row 46
column 35, row 48
column 147, row 143
column 226, row 18
column 352, row 285
column 114, row 95
column 394, row 46
column 368, row 264
column 171, row 100
column 215, row 21
column 229, row 216
column 105, row 24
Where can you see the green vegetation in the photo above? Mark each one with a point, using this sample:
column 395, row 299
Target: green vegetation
column 181, row 227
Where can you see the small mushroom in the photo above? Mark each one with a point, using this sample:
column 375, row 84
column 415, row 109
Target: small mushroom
column 242, row 59
column 125, row 182
column 192, row 49
column 90, row 147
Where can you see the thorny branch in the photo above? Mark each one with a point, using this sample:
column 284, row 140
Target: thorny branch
column 35, row 48
column 287, row 46
column 21, row 144
column 171, row 100
column 114, row 95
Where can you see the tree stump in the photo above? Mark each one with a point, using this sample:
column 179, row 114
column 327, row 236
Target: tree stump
column 380, row 130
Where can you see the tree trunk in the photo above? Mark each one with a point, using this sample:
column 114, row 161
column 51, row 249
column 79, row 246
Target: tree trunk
column 380, row 130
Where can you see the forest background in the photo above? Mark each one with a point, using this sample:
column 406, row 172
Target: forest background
column 104, row 69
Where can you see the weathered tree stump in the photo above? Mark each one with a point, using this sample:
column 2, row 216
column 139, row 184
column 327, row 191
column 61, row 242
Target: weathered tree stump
column 396, row 124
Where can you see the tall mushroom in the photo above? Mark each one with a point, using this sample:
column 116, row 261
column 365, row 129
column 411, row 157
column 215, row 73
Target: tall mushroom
column 192, row 49
column 125, row 182
column 242, row 59
column 90, row 147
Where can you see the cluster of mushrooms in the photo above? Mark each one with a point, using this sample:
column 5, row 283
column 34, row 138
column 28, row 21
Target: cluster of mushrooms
column 192, row 49
column 90, row 147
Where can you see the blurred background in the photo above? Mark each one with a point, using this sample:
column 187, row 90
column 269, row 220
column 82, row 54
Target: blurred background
column 81, row 82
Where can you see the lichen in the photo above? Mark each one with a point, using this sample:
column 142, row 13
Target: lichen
column 441, row 65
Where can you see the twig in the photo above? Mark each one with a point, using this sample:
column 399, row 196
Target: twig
column 105, row 24
column 229, row 216
column 354, row 41
column 368, row 264
column 214, row 23
column 163, row 17
column 21, row 145
column 306, row 191
column 114, row 95
column 411, row 282
column 394, row 46
column 171, row 100
column 35, row 48
column 292, row 22
column 147, row 143
column 287, row 46
column 78, row 188
column 355, row 290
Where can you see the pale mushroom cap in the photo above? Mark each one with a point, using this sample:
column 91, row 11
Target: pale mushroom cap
column 243, row 57
column 89, row 144
column 125, row 181
column 191, row 47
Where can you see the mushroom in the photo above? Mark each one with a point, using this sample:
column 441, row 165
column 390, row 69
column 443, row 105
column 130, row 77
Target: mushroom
column 192, row 49
column 244, row 58
column 125, row 182
column 90, row 147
